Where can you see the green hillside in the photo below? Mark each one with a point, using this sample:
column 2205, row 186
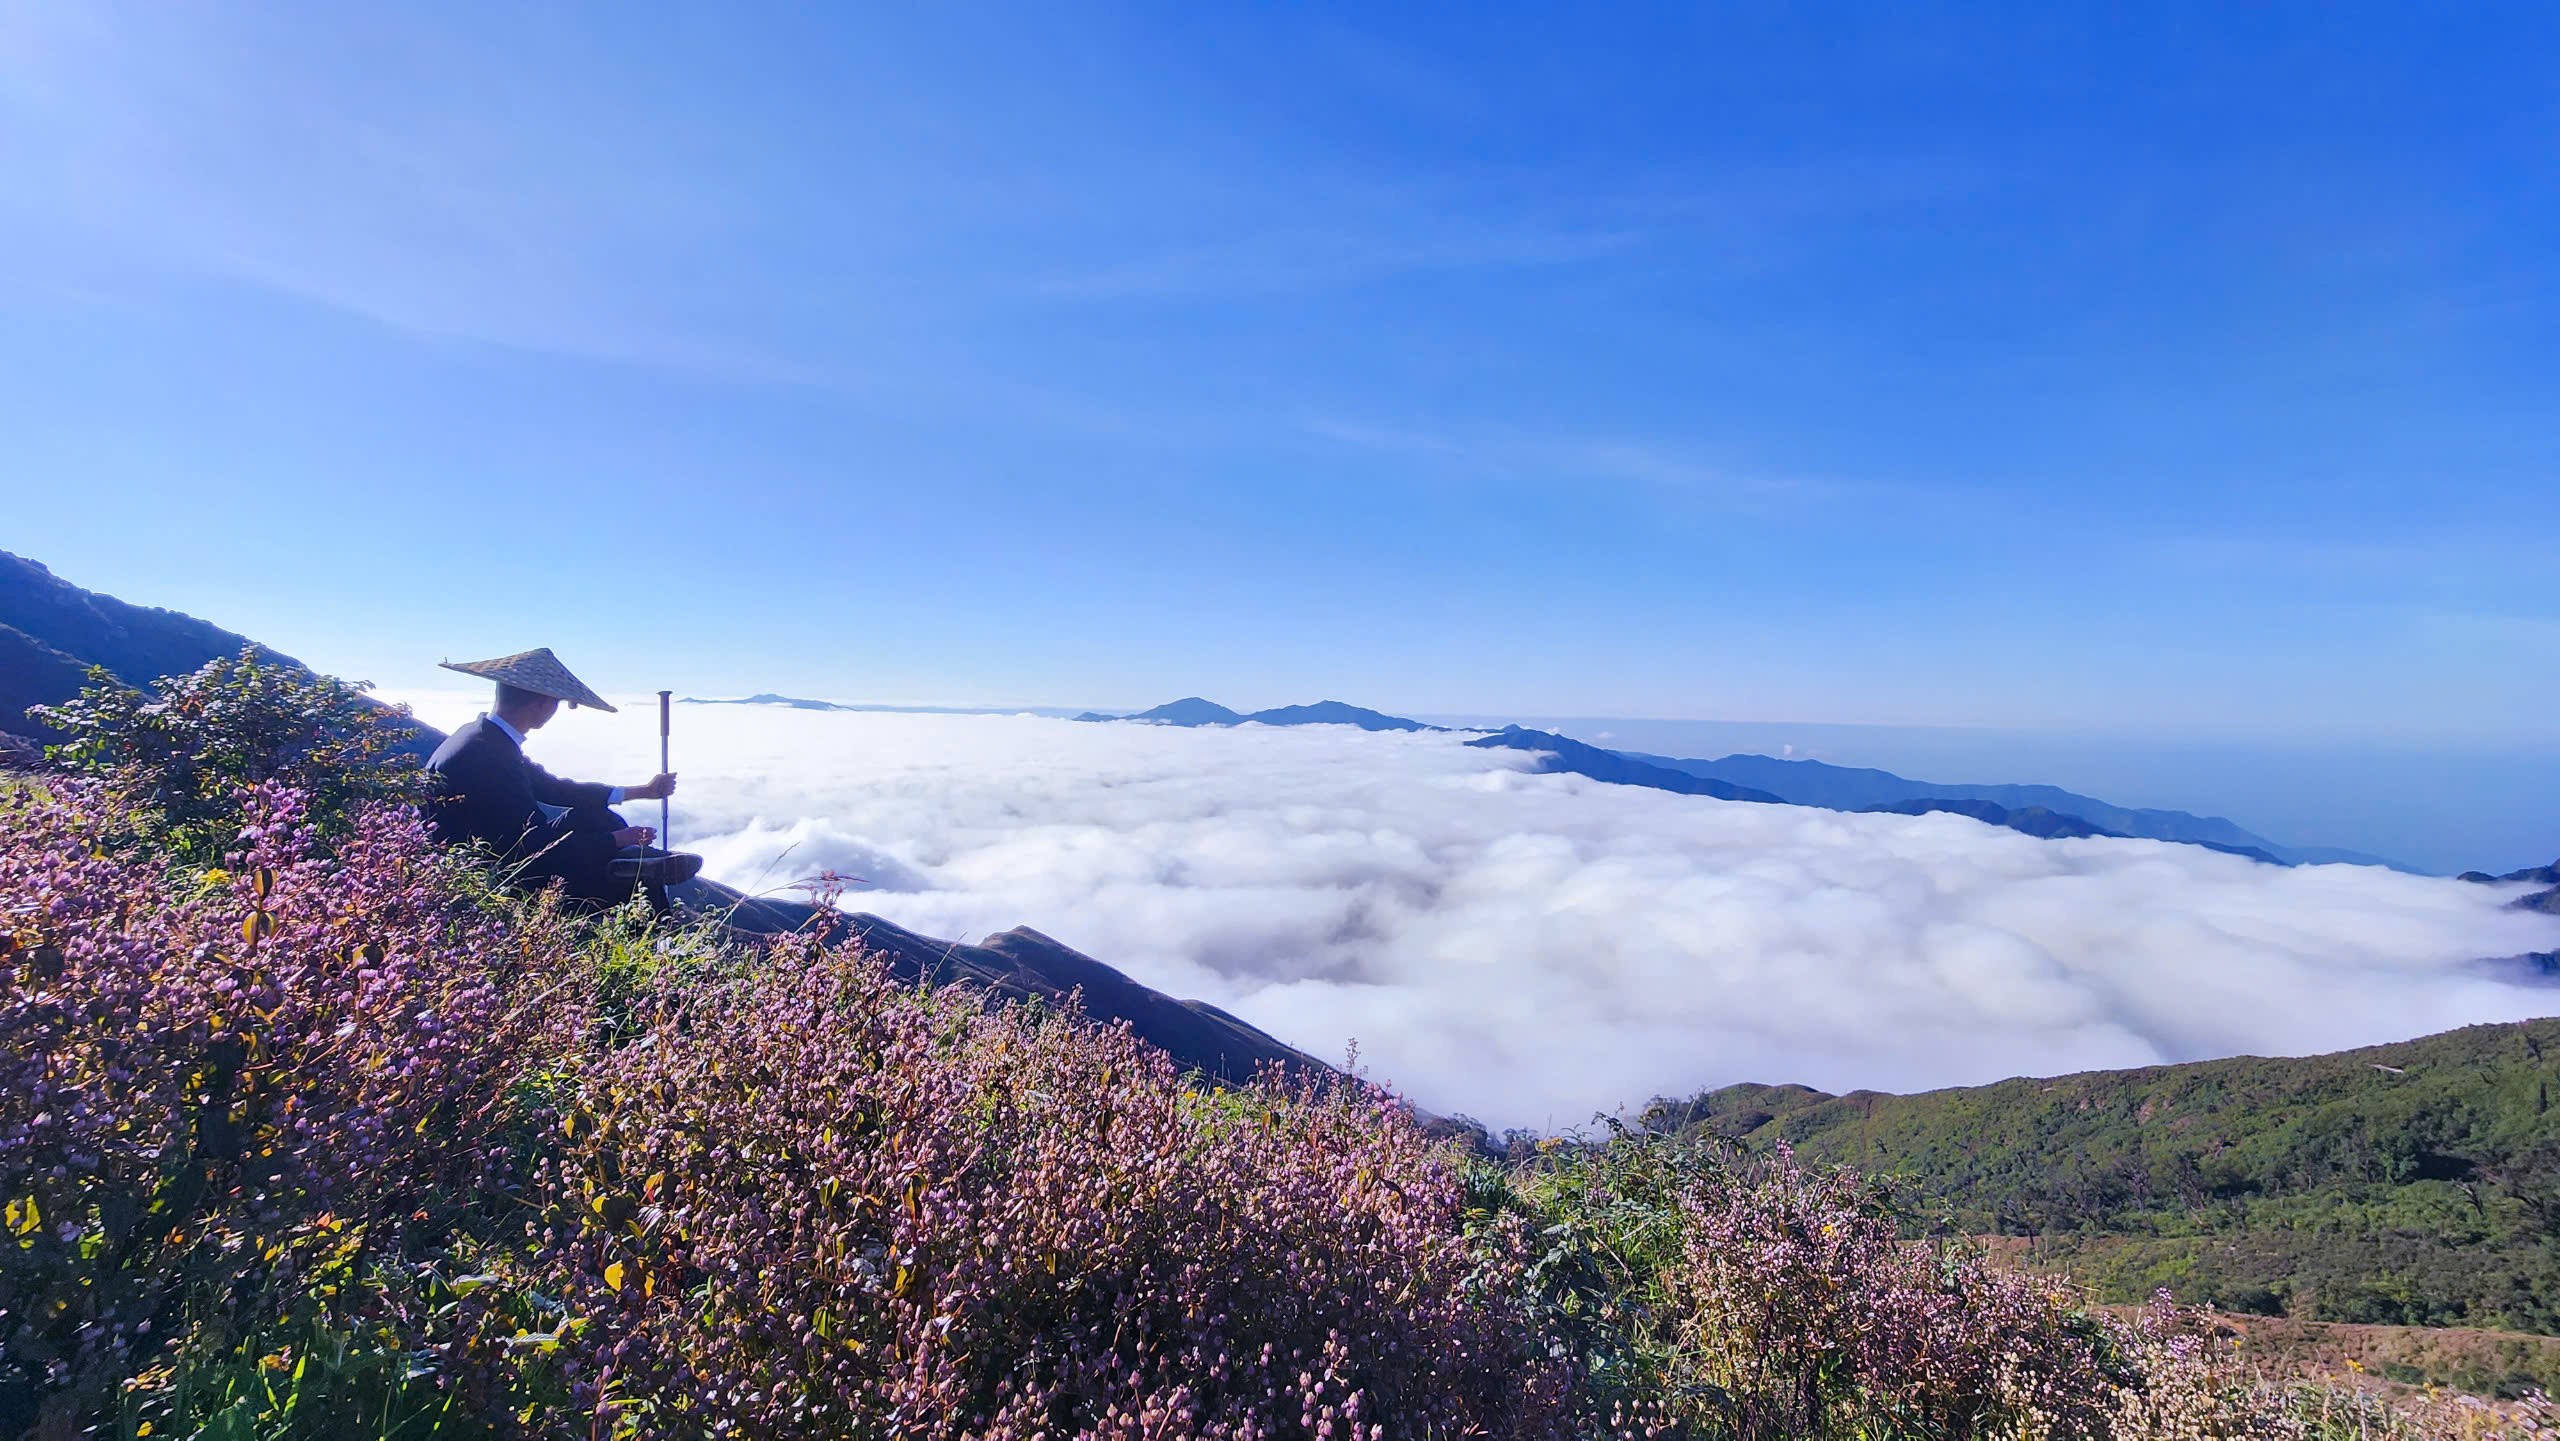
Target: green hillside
column 2410, row 1184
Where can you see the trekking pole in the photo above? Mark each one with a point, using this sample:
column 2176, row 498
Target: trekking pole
column 666, row 835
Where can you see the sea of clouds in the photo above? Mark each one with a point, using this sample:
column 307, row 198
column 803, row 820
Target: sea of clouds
column 1531, row 949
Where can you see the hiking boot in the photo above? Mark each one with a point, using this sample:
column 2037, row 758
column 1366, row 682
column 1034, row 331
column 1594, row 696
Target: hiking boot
column 663, row 870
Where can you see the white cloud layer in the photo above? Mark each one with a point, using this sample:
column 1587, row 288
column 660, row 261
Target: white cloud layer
column 1532, row 948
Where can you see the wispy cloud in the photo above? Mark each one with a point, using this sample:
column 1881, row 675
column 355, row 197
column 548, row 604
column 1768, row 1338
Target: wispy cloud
column 1316, row 229
column 444, row 299
column 1667, row 470
column 1287, row 261
column 201, row 148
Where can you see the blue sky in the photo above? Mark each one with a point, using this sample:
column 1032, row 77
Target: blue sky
column 2170, row 370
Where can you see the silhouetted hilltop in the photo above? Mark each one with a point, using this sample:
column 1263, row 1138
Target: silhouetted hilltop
column 1194, row 711
column 792, row 702
column 2546, row 900
column 1336, row 713
column 52, row 631
column 1569, row 756
column 1189, row 711
column 2541, row 875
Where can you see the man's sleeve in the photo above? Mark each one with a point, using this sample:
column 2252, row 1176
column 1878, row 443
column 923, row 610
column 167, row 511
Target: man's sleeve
column 576, row 795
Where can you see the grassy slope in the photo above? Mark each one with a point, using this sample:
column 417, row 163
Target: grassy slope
column 2322, row 1186
column 2481, row 1363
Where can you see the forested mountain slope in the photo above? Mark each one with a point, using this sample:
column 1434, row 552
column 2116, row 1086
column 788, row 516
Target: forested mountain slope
column 2415, row 1183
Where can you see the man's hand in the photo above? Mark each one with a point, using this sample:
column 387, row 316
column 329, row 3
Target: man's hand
column 634, row 836
column 656, row 790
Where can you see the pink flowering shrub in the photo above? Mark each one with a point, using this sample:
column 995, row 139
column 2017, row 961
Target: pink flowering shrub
column 221, row 1095
column 333, row 1108
column 807, row 1202
column 1797, row 1304
column 337, row 1140
column 1719, row 1295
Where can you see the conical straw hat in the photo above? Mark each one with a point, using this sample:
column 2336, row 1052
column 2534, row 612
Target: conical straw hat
column 536, row 670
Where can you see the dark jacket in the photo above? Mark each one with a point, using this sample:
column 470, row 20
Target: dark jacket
column 486, row 789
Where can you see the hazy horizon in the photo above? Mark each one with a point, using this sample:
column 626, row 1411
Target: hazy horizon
column 2442, row 810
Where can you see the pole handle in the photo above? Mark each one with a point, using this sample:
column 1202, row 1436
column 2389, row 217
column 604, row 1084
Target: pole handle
column 666, row 831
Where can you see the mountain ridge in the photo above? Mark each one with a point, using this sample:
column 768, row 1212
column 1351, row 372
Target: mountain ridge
column 1565, row 755
column 2043, row 811
column 2415, row 1182
column 1858, row 788
column 52, row 631
column 2045, row 823
column 1023, row 964
column 2546, row 900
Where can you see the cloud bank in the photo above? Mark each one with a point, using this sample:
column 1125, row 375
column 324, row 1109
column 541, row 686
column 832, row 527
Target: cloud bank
column 1531, row 949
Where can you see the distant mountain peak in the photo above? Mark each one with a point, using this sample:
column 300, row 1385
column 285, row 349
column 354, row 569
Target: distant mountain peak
column 769, row 698
column 1195, row 711
column 2546, row 900
column 1191, row 710
column 1334, row 712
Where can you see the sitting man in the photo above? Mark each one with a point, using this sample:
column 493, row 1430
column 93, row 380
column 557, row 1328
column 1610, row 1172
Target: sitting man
column 485, row 790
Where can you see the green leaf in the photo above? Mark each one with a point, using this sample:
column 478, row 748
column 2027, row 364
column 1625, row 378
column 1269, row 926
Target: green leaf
column 235, row 1422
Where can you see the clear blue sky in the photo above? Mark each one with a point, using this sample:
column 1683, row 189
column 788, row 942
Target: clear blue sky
column 2181, row 369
